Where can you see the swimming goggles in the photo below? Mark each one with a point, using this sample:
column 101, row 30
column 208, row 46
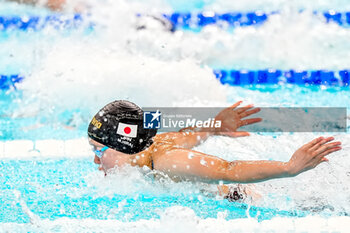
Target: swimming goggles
column 99, row 153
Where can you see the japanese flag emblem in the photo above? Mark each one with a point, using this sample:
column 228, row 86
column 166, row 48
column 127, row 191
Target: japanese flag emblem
column 127, row 130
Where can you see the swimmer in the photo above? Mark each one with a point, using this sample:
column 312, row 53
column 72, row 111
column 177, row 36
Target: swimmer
column 58, row 5
column 144, row 21
column 118, row 138
column 55, row 5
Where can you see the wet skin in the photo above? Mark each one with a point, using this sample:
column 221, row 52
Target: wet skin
column 172, row 154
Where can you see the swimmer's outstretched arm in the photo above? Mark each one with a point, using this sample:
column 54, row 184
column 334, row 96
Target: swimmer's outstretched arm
column 231, row 120
column 184, row 163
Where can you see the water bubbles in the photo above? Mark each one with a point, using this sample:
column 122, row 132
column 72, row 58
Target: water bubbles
column 203, row 162
column 121, row 204
column 200, row 198
column 190, row 155
column 188, row 167
column 146, row 168
column 222, row 214
column 174, row 166
column 62, row 210
column 25, row 18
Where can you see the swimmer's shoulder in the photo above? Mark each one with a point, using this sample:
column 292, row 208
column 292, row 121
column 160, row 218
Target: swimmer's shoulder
column 162, row 143
column 166, row 137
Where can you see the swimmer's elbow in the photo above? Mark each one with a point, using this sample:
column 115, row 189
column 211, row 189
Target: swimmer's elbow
column 231, row 172
column 235, row 173
column 225, row 171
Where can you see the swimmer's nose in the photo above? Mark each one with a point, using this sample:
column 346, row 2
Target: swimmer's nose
column 97, row 160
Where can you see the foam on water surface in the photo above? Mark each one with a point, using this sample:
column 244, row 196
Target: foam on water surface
column 287, row 40
column 258, row 5
column 303, row 193
column 170, row 219
column 55, row 188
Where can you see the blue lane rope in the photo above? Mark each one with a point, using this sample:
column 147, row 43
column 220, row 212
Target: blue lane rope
column 178, row 19
column 248, row 77
column 271, row 76
column 37, row 23
column 188, row 20
column 10, row 81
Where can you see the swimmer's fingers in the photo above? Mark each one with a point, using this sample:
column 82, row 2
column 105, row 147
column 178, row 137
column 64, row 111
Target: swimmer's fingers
column 250, row 121
column 235, row 105
column 245, row 108
column 327, row 149
column 249, row 112
column 311, row 143
column 322, row 157
column 235, row 134
column 320, row 143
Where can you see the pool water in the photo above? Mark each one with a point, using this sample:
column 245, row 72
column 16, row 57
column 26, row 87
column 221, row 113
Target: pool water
column 58, row 193
column 48, row 180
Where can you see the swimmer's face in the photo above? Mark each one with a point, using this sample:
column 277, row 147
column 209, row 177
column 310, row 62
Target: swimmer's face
column 110, row 157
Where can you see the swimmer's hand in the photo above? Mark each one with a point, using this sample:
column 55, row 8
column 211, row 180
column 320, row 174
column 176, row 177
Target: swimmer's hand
column 311, row 154
column 232, row 118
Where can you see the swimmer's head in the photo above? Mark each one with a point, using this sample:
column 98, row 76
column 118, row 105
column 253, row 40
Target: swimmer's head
column 119, row 125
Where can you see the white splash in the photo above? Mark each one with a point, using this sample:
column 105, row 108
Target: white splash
column 190, row 222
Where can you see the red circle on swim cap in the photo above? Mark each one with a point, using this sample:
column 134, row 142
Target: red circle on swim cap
column 127, row 130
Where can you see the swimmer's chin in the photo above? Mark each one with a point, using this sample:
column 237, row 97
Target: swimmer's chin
column 107, row 171
column 100, row 168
